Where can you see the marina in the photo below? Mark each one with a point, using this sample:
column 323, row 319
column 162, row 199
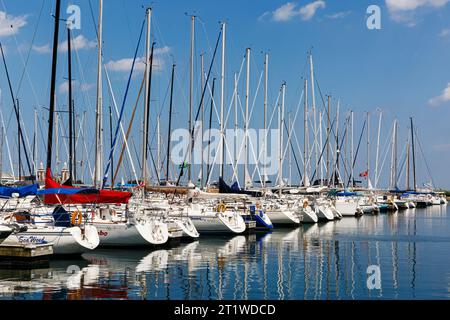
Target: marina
column 211, row 175
column 312, row 262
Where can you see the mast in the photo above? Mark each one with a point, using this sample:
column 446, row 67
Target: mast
column 18, row 139
column 413, row 154
column 281, row 130
column 208, row 166
column 57, row 141
column 147, row 76
column 290, row 149
column 191, row 94
column 352, row 168
column 35, row 155
column 266, row 90
column 313, row 97
column 236, row 124
column 378, row 150
column 247, row 92
column 74, row 117
column 69, row 65
column 394, row 157
column 99, row 107
column 111, row 143
column 321, row 146
column 53, row 86
column 337, row 151
column 407, row 165
column 170, row 124
column 202, row 66
column 305, row 135
column 158, row 148
column 368, row 151
column 328, row 140
column 222, row 97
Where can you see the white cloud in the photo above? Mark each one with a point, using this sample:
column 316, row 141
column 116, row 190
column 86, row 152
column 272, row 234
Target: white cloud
column 444, row 97
column 285, row 13
column 64, row 87
column 10, row 25
column 78, row 43
column 290, row 10
column 404, row 10
column 42, row 49
column 124, row 65
column 444, row 33
column 308, row 11
column 339, row 15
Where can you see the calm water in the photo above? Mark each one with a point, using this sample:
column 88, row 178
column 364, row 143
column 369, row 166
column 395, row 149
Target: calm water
column 326, row 261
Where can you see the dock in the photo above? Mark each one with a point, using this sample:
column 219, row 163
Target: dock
column 25, row 256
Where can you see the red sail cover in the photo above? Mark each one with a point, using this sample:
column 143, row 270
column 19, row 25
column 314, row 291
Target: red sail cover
column 102, row 196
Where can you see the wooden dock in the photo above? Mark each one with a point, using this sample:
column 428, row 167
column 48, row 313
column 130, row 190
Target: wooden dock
column 25, row 256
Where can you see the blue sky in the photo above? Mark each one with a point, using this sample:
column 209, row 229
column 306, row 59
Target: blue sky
column 401, row 69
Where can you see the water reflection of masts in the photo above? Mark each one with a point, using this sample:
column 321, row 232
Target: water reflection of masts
column 394, row 251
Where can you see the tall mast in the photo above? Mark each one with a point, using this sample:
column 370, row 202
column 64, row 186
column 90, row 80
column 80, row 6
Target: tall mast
column 18, row 139
column 337, row 151
column 170, row 124
column 305, row 135
column 266, row 90
column 222, row 97
column 413, row 154
column 69, row 65
column 57, row 142
column 368, row 150
column 280, row 142
column 328, row 140
column 394, row 157
column 320, row 144
column 407, row 165
column 53, row 85
column 378, row 149
column 99, row 107
column 247, row 92
column 313, row 97
column 208, row 165
column 158, row 144
column 290, row 149
column 111, row 143
column 191, row 94
column 202, row 66
column 352, row 167
column 35, row 156
column 147, row 98
column 236, row 124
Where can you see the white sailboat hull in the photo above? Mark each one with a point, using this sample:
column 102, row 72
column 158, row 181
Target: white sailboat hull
column 65, row 241
column 324, row 213
column 220, row 223
column 122, row 234
column 309, row 216
column 284, row 217
column 347, row 208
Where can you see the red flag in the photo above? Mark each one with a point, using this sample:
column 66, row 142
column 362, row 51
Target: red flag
column 364, row 174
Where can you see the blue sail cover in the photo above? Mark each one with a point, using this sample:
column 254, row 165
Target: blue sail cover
column 65, row 191
column 7, row 192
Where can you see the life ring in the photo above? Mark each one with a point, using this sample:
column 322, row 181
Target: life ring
column 77, row 218
column 305, row 204
column 221, row 207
